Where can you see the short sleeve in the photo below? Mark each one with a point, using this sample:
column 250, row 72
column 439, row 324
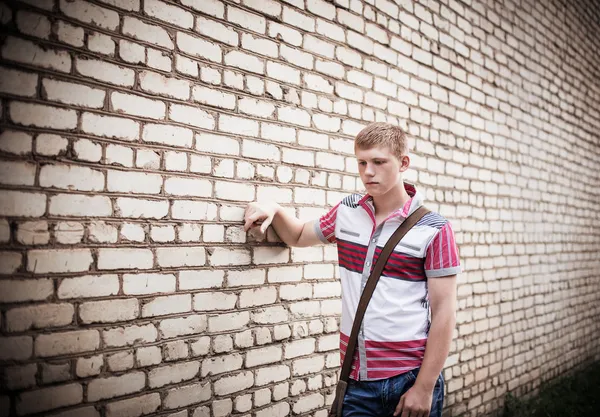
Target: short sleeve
column 325, row 226
column 441, row 256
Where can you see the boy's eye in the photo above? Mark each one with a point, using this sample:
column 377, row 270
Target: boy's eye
column 379, row 162
column 362, row 163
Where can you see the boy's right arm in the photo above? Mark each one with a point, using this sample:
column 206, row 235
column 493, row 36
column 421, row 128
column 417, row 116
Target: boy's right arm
column 290, row 229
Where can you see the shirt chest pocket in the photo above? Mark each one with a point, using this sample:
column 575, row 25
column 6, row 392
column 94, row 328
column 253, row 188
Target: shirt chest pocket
column 344, row 231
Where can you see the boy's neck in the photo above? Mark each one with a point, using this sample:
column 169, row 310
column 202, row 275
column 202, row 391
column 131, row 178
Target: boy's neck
column 391, row 201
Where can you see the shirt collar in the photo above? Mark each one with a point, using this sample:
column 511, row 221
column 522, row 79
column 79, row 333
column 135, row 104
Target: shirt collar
column 416, row 201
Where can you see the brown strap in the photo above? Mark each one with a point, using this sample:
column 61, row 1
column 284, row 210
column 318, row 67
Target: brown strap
column 372, row 283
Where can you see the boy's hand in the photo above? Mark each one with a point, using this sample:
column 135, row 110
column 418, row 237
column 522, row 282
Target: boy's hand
column 259, row 214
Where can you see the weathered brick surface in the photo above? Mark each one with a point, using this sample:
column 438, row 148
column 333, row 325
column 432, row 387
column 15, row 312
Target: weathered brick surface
column 132, row 134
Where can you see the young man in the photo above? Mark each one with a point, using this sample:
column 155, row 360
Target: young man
column 407, row 328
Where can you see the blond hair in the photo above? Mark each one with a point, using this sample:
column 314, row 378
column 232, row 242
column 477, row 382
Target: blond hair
column 383, row 134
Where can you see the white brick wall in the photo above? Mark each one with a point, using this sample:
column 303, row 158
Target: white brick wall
column 134, row 133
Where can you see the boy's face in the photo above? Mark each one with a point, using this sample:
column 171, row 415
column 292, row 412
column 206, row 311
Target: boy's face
column 379, row 169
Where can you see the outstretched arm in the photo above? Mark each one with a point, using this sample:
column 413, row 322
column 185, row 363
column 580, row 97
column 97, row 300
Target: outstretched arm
column 290, row 229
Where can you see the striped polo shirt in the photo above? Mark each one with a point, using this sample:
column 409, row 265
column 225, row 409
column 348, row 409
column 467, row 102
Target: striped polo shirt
column 394, row 330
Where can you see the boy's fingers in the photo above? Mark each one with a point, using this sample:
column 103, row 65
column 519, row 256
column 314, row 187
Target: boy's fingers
column 265, row 225
column 250, row 221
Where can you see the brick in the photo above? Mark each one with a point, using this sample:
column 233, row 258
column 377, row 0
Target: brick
column 133, row 407
column 227, row 257
column 17, row 173
column 49, row 398
column 124, row 258
column 111, row 127
column 133, row 182
column 120, row 361
column 16, row 348
column 270, row 7
column 221, row 364
column 10, row 262
column 67, row 33
column 102, row 44
column 288, row 34
column 214, row 301
column 88, row 286
column 172, row 374
column 130, row 5
column 180, row 256
column 193, row 210
column 167, row 305
column 39, row 317
column 18, row 143
column 26, row 52
column 51, row 145
column 183, row 326
column 294, row 116
column 5, row 230
column 147, row 159
column 119, row 155
column 127, row 336
column 64, row 343
column 162, row 233
column 260, row 150
column 255, row 107
column 168, row 135
column 90, row 13
column 137, row 106
column 217, row 31
column 56, row 372
column 247, row 20
column 80, row 205
column 170, row 87
column 283, row 72
column 245, row 61
column 295, row 292
column 109, row 311
column 199, row 47
column 79, row 412
column 227, row 322
column 71, row 178
column 260, row 45
column 234, row 191
column 138, row 208
column 213, row 97
column 300, row 20
column 211, row 7
column 68, row 232
column 148, row 283
column 191, row 116
column 148, row 356
column 132, row 52
column 37, row 115
column 169, row 14
column 73, row 260
column 25, row 290
column 104, row 71
column 234, row 383
column 17, row 82
column 20, row 377
column 103, row 388
column 188, row 394
column 192, row 280
column 258, row 297
column 145, row 32
column 330, row 68
column 295, row 57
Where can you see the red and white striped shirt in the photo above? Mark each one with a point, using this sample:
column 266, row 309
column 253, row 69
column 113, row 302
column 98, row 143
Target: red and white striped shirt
column 394, row 331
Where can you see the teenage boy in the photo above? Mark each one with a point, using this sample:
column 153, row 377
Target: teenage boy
column 407, row 328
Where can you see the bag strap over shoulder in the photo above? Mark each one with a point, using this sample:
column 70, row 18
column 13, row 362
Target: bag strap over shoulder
column 372, row 283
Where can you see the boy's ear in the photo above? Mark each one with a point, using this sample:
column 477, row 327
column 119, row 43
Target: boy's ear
column 404, row 163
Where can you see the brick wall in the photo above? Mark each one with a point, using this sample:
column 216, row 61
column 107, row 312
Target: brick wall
column 134, row 132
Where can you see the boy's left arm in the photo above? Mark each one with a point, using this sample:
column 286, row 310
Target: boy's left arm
column 442, row 297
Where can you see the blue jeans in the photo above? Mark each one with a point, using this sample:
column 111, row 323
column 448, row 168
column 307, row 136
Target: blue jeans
column 380, row 398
